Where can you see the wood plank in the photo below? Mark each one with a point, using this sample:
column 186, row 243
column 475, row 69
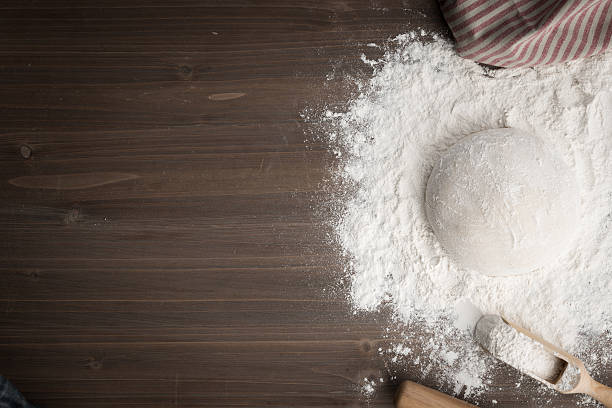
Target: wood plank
column 311, row 369
column 164, row 283
column 222, row 360
column 172, row 392
column 190, row 321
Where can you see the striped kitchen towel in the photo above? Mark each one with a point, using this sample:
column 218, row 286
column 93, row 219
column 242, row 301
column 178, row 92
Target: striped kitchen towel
column 523, row 33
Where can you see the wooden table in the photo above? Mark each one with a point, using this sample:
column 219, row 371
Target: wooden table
column 163, row 245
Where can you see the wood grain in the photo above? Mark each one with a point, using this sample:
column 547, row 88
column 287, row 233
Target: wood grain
column 412, row 395
column 163, row 243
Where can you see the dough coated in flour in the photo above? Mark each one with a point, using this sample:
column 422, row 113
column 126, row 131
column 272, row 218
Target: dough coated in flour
column 502, row 203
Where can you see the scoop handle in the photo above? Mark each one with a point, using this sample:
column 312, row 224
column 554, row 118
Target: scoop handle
column 600, row 392
column 413, row 395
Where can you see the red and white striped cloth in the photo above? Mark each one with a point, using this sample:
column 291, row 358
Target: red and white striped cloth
column 522, row 33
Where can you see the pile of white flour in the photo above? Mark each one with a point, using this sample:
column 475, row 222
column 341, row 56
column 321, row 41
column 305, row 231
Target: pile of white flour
column 422, row 98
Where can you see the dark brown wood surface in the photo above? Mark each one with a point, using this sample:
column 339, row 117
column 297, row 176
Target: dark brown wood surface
column 163, row 243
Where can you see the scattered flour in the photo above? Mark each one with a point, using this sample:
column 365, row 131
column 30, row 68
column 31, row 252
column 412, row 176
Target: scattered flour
column 369, row 388
column 422, row 98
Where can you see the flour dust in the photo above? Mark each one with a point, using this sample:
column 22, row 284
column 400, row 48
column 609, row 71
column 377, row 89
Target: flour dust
column 421, row 98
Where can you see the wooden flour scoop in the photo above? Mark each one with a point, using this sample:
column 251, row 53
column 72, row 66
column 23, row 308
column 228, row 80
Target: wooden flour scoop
column 569, row 375
column 506, row 341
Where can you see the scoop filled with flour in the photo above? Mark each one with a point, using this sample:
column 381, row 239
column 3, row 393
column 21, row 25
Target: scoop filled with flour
column 421, row 99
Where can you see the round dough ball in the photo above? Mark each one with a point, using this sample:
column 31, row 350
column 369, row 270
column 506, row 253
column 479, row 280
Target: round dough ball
column 502, row 203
